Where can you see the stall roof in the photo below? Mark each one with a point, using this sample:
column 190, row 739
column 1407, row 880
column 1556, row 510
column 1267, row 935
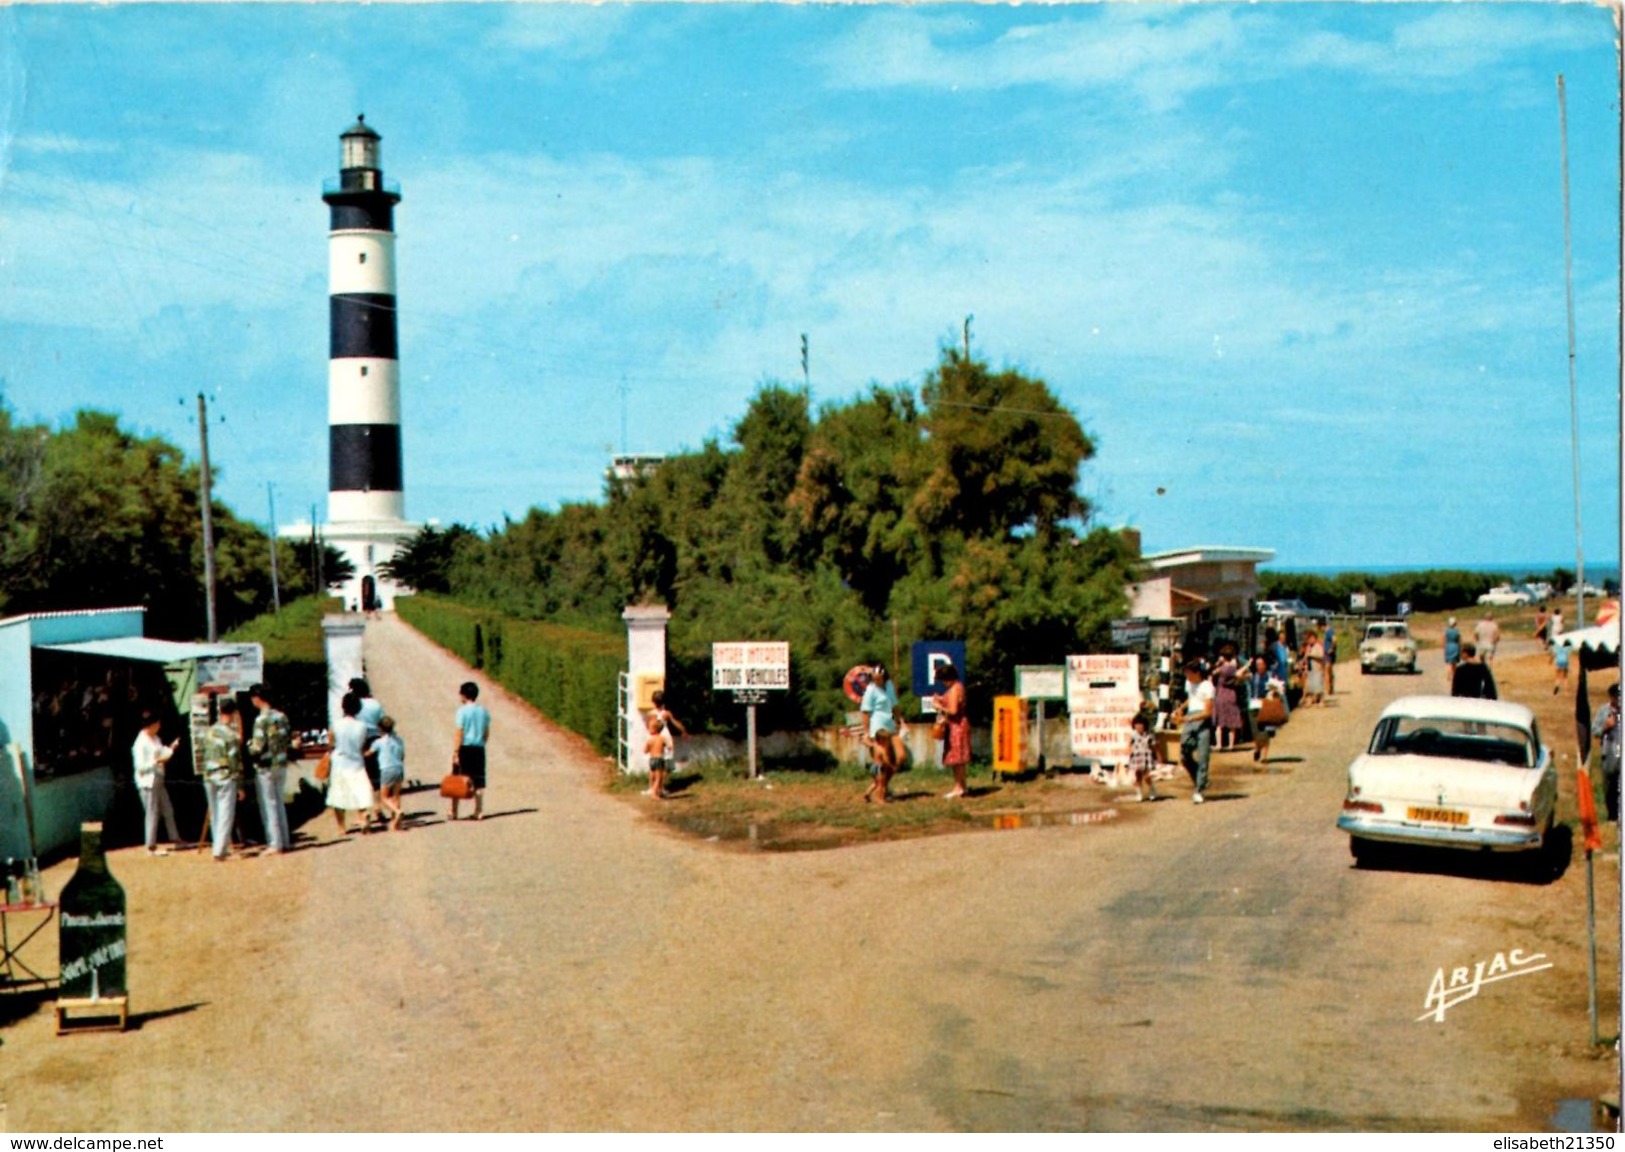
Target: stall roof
column 1601, row 637
column 143, row 648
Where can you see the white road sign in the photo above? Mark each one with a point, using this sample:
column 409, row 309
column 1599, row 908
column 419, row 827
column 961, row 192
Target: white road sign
column 750, row 664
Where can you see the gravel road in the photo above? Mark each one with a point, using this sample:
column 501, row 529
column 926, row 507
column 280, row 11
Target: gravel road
column 566, row 964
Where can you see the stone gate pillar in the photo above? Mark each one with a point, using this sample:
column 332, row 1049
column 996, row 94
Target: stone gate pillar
column 342, row 636
column 646, row 672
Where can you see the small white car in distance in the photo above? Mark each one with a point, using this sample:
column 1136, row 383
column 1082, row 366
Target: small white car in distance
column 1387, row 647
column 1505, row 595
column 1280, row 609
column 1451, row 772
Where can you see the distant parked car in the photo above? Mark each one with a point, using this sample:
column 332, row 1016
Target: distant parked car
column 1280, row 609
column 1451, row 772
column 1504, row 595
column 1387, row 647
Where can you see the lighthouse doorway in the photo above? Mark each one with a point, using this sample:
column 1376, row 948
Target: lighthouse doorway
column 369, row 594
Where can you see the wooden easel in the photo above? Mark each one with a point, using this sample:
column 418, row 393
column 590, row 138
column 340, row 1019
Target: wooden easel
column 104, row 1021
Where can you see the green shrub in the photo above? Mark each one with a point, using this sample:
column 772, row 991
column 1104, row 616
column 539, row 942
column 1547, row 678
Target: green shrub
column 569, row 674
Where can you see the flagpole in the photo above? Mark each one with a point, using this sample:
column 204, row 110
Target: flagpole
column 1590, row 830
column 1574, row 406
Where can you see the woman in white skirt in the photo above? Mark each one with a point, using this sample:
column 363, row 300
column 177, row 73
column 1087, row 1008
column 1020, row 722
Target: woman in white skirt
column 348, row 789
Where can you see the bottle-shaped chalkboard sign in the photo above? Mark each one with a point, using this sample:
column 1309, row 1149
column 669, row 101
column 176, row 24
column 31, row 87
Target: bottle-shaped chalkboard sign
column 91, row 925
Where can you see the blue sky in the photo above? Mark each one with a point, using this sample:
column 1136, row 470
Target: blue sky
column 1297, row 268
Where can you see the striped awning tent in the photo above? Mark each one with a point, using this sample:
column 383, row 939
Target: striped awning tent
column 1598, row 645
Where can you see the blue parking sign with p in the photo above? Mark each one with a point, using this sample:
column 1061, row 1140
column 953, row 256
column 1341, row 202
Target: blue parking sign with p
column 929, row 656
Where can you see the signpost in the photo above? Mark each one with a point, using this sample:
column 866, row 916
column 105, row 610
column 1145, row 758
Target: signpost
column 750, row 670
column 1102, row 698
column 1133, row 632
column 1041, row 682
column 926, row 657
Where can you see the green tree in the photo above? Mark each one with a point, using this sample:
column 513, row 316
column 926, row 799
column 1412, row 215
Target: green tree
column 424, row 563
column 97, row 517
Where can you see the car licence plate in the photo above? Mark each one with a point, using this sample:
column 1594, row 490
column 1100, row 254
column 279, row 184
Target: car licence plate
column 1437, row 815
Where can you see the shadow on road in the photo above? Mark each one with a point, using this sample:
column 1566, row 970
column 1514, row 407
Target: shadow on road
column 137, row 1019
column 1544, row 867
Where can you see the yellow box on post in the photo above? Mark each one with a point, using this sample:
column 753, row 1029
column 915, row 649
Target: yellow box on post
column 1008, row 717
column 643, row 691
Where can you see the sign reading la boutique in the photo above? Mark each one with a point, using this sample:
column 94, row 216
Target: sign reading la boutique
column 1102, row 699
column 748, row 664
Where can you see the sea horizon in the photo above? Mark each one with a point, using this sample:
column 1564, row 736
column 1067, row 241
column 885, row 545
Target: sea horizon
column 1595, row 571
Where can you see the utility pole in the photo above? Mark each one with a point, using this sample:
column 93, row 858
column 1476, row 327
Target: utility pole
column 208, row 514
column 276, row 590
column 624, row 394
column 316, row 556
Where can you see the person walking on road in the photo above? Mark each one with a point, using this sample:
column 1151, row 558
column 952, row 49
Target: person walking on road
column 1194, row 717
column 1488, row 634
column 1227, row 700
column 222, row 774
column 1560, row 668
column 1314, row 670
column 150, row 754
column 468, row 758
column 1328, row 644
column 391, row 770
column 1142, row 759
column 371, row 712
column 1473, row 677
column 1452, row 649
column 268, row 752
column 348, row 789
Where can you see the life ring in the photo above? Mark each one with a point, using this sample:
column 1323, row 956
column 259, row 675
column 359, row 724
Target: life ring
column 855, row 681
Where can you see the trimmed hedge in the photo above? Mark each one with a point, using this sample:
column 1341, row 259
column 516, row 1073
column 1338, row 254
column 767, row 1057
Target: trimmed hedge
column 569, row 674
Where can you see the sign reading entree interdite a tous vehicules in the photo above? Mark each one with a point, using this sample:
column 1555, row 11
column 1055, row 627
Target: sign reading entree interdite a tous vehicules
column 746, row 664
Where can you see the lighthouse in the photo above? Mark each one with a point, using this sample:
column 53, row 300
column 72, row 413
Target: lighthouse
column 366, row 495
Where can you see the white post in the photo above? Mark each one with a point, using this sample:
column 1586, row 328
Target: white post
column 645, row 660
column 343, row 636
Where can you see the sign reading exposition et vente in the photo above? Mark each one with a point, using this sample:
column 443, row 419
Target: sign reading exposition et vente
column 1102, row 695
column 750, row 664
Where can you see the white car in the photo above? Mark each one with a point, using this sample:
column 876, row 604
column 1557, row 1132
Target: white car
column 1505, row 595
column 1451, row 772
column 1280, row 609
column 1387, row 647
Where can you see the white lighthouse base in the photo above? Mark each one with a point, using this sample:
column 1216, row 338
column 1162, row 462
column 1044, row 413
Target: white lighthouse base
column 367, row 545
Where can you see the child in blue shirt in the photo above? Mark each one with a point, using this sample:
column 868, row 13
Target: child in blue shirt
column 391, row 770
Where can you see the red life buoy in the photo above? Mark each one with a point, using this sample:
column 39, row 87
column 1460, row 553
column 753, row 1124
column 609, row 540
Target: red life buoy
column 855, row 681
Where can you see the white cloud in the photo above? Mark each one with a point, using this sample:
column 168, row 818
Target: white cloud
column 1447, row 42
column 565, row 31
column 1164, row 60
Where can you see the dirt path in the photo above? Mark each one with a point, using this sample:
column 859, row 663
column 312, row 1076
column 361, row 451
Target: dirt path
column 568, row 965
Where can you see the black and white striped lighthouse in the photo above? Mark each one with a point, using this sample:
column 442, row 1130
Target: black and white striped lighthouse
column 366, row 498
